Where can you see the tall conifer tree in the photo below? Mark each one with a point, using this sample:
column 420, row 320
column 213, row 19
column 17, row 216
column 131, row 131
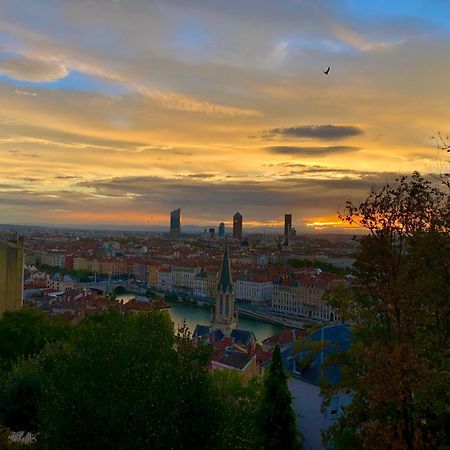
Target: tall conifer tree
column 277, row 418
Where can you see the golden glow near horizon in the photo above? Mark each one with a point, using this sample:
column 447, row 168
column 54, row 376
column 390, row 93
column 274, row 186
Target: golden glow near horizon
column 111, row 112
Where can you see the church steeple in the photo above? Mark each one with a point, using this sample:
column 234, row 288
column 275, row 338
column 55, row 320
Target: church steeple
column 225, row 281
column 224, row 316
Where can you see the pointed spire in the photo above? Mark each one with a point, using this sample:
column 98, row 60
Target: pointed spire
column 225, row 281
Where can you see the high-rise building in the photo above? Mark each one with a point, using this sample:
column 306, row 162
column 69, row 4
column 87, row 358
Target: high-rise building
column 287, row 225
column 11, row 275
column 221, row 229
column 237, row 226
column 225, row 316
column 175, row 221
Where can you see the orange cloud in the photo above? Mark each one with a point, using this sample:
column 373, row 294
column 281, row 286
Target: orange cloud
column 330, row 223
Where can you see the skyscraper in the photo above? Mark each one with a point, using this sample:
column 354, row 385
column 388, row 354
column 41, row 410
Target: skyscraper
column 221, row 229
column 175, row 221
column 237, row 226
column 287, row 225
column 11, row 275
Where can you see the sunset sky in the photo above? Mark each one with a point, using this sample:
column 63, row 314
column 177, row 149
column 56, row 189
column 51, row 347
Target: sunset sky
column 114, row 111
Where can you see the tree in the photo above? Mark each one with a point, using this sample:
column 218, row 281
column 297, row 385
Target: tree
column 234, row 401
column 125, row 381
column 324, row 266
column 20, row 394
column 276, row 416
column 25, row 333
column 398, row 364
column 443, row 144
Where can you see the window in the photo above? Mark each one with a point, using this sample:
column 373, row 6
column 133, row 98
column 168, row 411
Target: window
column 334, row 406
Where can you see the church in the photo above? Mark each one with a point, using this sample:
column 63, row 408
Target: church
column 224, row 318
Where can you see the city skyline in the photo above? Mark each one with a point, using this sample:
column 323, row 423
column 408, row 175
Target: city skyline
column 224, row 224
column 110, row 110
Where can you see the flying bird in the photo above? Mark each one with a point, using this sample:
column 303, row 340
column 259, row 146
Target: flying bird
column 326, row 72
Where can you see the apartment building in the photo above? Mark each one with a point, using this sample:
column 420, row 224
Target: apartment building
column 303, row 297
column 254, row 289
column 54, row 258
column 164, row 280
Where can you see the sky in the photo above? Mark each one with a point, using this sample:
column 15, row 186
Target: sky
column 112, row 112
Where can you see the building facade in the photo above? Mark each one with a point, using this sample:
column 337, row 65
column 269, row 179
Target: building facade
column 303, row 298
column 175, row 221
column 237, row 226
column 287, row 225
column 164, row 280
column 60, row 283
column 308, row 369
column 221, row 230
column 183, row 278
column 11, row 275
column 255, row 291
column 54, row 258
column 200, row 285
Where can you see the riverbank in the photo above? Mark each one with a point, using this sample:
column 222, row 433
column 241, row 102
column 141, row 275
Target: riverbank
column 194, row 314
column 247, row 316
column 270, row 318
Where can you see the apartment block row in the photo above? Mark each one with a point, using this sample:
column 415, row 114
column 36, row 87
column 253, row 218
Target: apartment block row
column 303, row 297
column 300, row 297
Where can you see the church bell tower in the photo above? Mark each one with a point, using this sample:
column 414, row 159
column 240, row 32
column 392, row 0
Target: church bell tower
column 225, row 316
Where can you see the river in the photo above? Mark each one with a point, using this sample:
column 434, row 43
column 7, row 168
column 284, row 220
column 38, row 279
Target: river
column 202, row 315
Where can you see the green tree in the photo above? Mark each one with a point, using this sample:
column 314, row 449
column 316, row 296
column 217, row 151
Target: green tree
column 324, row 266
column 24, row 333
column 235, row 402
column 127, row 382
column 20, row 394
column 276, row 416
column 398, row 364
column 119, row 290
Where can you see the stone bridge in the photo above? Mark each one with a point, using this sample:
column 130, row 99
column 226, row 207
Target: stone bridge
column 108, row 287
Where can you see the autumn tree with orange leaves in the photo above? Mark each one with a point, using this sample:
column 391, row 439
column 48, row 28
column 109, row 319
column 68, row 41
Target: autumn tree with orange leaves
column 398, row 368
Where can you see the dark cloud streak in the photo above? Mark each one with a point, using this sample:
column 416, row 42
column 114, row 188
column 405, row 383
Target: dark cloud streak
column 311, row 151
column 322, row 132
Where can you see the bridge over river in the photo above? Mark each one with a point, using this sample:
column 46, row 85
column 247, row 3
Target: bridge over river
column 108, row 287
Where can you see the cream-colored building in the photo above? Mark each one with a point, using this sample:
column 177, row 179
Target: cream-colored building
column 11, row 275
column 152, row 274
column 183, row 277
column 303, row 298
column 80, row 263
column 54, row 258
column 60, row 283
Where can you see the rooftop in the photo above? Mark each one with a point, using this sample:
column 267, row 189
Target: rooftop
column 237, row 360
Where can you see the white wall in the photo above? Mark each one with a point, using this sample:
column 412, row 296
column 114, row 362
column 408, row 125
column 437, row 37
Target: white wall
column 311, row 421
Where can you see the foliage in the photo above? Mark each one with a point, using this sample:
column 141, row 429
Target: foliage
column 234, row 402
column 171, row 297
column 129, row 382
column 324, row 266
column 20, row 394
column 82, row 275
column 276, row 416
column 119, row 290
column 398, row 364
column 25, row 333
column 152, row 294
column 126, row 380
